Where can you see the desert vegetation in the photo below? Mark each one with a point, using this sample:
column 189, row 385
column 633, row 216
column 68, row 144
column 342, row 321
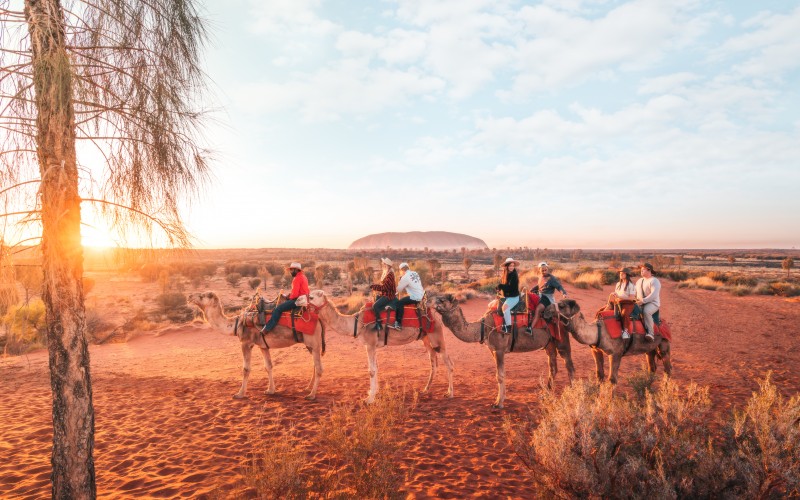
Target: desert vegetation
column 662, row 442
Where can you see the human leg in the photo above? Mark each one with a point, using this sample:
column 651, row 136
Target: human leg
column 378, row 307
column 400, row 310
column 287, row 305
column 649, row 310
column 507, row 306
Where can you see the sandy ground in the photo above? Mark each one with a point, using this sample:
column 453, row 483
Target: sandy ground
column 166, row 425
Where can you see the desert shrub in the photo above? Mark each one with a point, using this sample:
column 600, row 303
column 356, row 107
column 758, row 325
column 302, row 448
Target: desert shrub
column 764, row 442
column 589, row 443
column 25, row 327
column 677, row 275
column 718, row 276
column 253, row 283
column 233, row 279
column 564, row 275
column 740, row 280
column 277, row 468
column 351, row 304
column 592, row 279
column 96, row 323
column 784, row 289
column 703, row 282
column 365, row 442
column 609, row 276
column 151, row 271
column 762, row 289
column 242, row 269
column 335, row 274
column 642, row 383
column 738, row 290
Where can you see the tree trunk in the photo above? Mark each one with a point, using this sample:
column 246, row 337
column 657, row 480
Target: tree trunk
column 73, row 473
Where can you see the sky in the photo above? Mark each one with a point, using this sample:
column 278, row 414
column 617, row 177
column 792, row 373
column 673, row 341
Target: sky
column 550, row 124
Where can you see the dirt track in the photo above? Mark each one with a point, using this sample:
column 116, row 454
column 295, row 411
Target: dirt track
column 166, row 425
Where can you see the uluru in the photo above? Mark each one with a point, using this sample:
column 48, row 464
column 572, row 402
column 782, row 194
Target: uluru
column 434, row 240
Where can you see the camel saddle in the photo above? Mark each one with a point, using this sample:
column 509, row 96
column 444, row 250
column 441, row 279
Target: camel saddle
column 414, row 316
column 300, row 319
column 522, row 320
column 614, row 323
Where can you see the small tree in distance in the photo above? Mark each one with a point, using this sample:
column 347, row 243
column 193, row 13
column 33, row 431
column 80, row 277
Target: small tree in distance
column 788, row 264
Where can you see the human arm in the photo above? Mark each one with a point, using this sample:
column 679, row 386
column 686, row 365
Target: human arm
column 655, row 290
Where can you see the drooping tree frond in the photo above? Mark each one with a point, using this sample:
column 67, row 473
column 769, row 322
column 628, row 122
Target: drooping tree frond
column 138, row 92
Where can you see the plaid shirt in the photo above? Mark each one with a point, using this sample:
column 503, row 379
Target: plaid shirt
column 387, row 287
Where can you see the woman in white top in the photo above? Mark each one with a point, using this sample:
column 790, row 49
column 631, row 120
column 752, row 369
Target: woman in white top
column 625, row 289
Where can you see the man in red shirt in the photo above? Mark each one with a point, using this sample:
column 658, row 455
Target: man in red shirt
column 299, row 289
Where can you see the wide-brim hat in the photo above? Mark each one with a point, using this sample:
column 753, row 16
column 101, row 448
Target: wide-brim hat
column 295, row 265
column 510, row 260
column 387, row 261
column 626, row 270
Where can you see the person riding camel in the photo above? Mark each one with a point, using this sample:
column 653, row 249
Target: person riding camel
column 299, row 289
column 648, row 296
column 548, row 284
column 509, row 286
column 387, row 290
column 623, row 298
column 412, row 284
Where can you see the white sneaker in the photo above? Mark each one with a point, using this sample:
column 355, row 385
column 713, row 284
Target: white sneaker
column 649, row 337
column 625, row 334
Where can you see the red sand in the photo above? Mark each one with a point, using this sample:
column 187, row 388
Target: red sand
column 166, row 425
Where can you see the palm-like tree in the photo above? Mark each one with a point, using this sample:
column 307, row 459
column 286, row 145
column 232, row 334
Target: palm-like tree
column 122, row 76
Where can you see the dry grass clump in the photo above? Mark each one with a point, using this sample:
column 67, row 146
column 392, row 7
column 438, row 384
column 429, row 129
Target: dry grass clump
column 564, row 275
column 764, row 441
column 589, row 443
column 351, row 304
column 593, row 279
column 362, row 447
column 704, row 282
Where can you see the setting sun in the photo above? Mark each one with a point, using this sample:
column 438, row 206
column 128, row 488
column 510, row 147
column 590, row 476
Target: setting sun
column 97, row 237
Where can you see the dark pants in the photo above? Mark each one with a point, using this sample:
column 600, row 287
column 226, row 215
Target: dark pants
column 399, row 307
column 379, row 307
column 284, row 306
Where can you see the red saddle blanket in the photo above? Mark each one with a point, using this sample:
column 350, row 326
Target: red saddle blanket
column 615, row 328
column 410, row 319
column 521, row 322
column 305, row 323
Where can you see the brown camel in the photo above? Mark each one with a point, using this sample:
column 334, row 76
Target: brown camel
column 346, row 324
column 280, row 337
column 596, row 336
column 499, row 343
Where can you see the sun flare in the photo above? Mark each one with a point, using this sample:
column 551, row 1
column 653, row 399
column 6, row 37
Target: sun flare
column 96, row 237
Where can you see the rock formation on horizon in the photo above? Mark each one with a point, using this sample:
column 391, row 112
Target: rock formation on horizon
column 417, row 240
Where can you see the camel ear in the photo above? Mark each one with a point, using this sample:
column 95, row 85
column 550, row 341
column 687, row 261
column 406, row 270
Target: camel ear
column 449, row 297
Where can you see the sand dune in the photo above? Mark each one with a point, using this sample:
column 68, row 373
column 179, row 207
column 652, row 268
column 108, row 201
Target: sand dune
column 166, row 425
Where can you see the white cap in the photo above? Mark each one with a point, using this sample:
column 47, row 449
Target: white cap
column 294, row 265
column 404, row 265
column 542, row 264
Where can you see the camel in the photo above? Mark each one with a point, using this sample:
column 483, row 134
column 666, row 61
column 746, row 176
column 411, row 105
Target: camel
column 499, row 343
column 597, row 337
column 372, row 339
column 280, row 337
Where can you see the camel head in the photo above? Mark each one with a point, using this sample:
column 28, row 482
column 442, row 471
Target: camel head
column 569, row 307
column 204, row 301
column 317, row 299
column 445, row 304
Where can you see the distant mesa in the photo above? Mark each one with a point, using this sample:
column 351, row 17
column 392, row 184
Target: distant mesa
column 418, row 240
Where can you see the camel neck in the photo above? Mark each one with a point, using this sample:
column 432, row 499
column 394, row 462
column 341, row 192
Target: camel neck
column 457, row 323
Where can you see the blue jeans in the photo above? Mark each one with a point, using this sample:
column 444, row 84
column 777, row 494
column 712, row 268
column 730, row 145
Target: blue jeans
column 284, row 306
column 508, row 305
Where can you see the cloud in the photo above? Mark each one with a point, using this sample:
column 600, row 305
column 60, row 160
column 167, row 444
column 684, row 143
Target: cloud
column 289, row 17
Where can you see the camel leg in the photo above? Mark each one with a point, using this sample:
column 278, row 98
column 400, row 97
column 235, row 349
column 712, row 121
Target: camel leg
column 247, row 352
column 316, row 354
column 599, row 361
column 448, row 363
column 566, row 354
column 434, row 363
column 664, row 349
column 614, row 360
column 651, row 361
column 552, row 363
column 499, row 358
column 372, row 361
column 268, row 364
